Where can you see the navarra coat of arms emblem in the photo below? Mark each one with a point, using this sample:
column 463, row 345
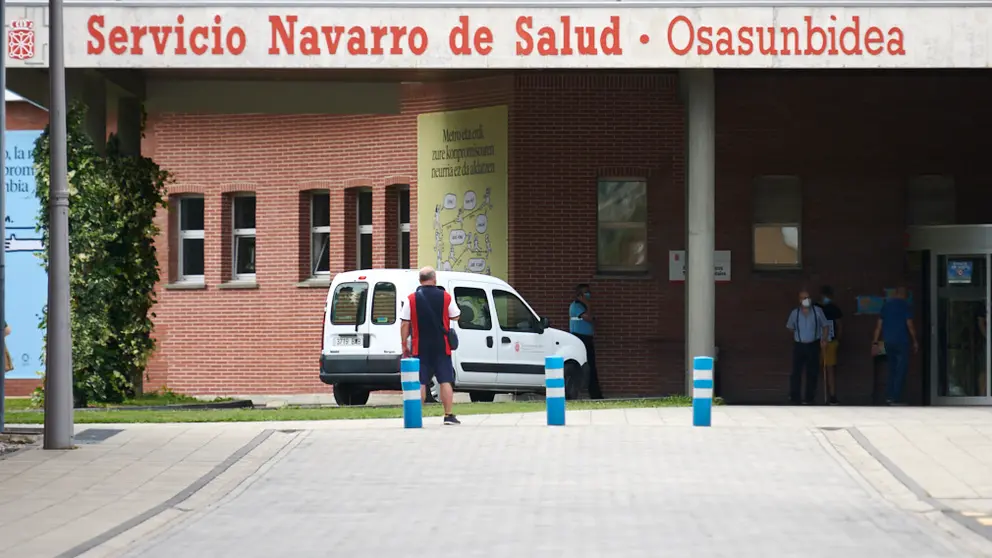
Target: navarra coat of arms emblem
column 20, row 39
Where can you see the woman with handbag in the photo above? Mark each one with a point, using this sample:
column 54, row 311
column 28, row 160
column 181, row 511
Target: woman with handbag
column 8, row 363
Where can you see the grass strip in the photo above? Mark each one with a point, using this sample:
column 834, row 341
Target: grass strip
column 126, row 416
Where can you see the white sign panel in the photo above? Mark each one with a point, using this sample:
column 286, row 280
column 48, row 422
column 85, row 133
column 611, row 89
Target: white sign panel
column 721, row 265
column 199, row 36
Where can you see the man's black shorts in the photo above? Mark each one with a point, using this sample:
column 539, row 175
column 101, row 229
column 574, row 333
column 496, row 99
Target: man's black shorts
column 436, row 366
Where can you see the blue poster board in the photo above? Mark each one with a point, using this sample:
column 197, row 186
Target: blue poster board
column 872, row 304
column 27, row 281
column 959, row 272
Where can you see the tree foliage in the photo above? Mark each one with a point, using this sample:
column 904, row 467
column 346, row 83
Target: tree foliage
column 113, row 267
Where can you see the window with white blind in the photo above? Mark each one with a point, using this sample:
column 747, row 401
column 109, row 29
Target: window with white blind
column 777, row 223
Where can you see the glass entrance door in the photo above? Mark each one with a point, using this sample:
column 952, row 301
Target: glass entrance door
column 961, row 361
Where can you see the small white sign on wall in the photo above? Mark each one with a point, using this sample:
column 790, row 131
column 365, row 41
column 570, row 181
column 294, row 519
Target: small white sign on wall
column 721, row 266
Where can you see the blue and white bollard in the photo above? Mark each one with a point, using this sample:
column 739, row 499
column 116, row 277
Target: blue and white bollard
column 702, row 391
column 554, row 385
column 413, row 412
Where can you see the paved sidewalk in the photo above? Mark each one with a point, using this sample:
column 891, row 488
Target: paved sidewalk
column 53, row 501
column 614, row 490
column 868, row 481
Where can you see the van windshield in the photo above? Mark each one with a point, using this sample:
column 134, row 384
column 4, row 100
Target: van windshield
column 348, row 304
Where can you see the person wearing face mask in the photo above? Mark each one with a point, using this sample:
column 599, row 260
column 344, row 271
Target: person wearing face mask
column 581, row 324
column 810, row 332
column 833, row 315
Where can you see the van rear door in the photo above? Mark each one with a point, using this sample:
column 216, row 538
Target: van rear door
column 385, row 349
column 346, row 333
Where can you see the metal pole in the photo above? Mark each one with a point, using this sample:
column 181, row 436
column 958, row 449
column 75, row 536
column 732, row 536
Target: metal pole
column 58, row 360
column 3, row 214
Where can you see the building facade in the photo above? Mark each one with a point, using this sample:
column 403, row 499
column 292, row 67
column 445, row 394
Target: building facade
column 816, row 174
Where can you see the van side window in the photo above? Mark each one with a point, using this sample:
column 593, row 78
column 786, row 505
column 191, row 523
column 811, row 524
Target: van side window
column 348, row 304
column 512, row 313
column 384, row 304
column 475, row 309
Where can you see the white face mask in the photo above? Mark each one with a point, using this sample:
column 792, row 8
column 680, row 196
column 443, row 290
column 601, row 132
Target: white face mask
column 806, row 303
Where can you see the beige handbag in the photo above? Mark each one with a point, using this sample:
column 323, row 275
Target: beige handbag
column 8, row 363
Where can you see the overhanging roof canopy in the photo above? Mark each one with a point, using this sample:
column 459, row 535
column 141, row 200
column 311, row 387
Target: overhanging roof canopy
column 377, row 34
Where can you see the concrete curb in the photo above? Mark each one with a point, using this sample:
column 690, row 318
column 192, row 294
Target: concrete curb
column 914, row 487
column 171, row 502
column 237, row 404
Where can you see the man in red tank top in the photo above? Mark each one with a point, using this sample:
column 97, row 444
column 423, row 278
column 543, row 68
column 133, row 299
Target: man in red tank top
column 425, row 319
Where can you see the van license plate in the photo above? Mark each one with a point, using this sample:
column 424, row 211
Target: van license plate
column 347, row 342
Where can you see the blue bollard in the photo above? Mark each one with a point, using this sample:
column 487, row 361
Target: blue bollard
column 554, row 384
column 413, row 412
column 702, row 391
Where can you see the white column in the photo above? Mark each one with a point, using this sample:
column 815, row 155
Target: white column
column 700, row 320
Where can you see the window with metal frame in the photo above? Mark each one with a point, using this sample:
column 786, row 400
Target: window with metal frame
column 622, row 229
column 320, row 234
column 777, row 223
column 190, row 239
column 364, row 229
column 243, row 229
column 404, row 232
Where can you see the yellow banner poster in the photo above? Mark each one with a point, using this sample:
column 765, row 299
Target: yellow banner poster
column 461, row 190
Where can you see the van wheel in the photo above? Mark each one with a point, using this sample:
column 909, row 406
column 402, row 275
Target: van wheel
column 345, row 395
column 573, row 381
column 481, row 396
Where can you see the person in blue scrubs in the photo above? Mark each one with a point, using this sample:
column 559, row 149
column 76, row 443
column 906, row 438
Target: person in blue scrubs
column 581, row 323
column 895, row 329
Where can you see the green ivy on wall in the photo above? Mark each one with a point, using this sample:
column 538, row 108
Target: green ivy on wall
column 113, row 267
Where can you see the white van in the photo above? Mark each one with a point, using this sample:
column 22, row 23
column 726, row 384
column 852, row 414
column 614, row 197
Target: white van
column 501, row 340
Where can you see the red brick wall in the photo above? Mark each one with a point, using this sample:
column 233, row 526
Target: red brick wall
column 22, row 115
column 567, row 130
column 266, row 340
column 855, row 140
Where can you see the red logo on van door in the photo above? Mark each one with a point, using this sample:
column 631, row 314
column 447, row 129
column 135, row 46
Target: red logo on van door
column 20, row 39
column 517, row 347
